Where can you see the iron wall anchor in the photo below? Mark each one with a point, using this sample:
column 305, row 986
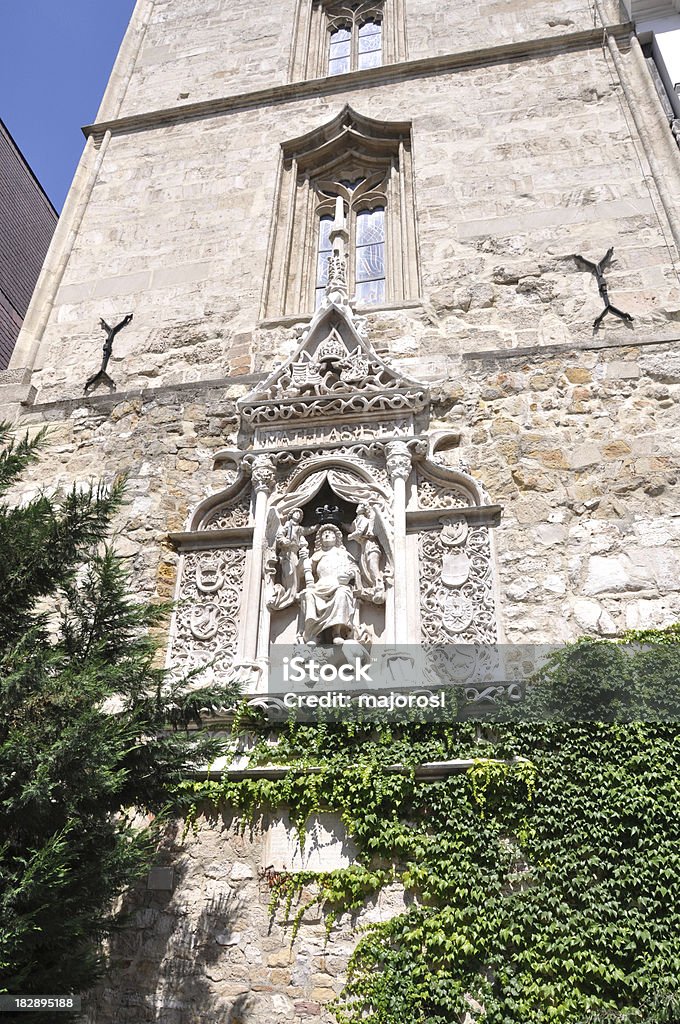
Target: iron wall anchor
column 101, row 376
column 598, row 269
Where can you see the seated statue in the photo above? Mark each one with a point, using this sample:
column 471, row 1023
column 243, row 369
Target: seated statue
column 331, row 581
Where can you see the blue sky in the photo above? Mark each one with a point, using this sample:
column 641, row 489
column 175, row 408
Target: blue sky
column 55, row 60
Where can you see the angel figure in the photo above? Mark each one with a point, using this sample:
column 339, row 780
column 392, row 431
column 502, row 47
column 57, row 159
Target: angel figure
column 365, row 530
column 287, row 545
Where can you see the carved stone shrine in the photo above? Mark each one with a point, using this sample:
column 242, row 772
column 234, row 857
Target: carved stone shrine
column 339, row 522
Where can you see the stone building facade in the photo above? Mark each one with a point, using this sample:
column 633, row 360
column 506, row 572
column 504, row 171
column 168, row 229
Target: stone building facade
column 346, row 235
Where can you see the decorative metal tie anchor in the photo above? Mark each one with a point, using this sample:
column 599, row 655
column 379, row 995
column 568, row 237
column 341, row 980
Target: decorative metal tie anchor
column 598, row 269
column 101, row 376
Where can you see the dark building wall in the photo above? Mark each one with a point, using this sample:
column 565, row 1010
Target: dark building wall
column 27, row 223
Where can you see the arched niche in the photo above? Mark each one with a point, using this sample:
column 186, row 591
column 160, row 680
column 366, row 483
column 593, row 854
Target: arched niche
column 336, row 492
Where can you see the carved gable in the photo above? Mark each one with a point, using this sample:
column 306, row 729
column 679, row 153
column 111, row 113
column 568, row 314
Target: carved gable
column 334, row 375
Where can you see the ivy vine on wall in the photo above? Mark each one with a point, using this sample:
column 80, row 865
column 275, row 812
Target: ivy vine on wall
column 542, row 885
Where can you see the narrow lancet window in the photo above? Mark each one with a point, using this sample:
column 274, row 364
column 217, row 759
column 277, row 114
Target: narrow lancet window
column 370, row 44
column 345, row 219
column 336, row 37
column 324, row 252
column 340, row 60
column 370, row 256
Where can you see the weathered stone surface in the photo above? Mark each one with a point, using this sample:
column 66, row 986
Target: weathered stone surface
column 574, row 434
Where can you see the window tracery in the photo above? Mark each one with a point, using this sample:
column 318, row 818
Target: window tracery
column 366, row 165
column 334, row 38
column 354, row 37
column 364, row 203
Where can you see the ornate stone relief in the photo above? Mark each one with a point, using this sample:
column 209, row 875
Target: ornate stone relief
column 207, row 623
column 232, row 513
column 457, row 597
column 335, row 508
column 432, row 494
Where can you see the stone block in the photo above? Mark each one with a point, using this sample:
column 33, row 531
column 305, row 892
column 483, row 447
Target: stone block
column 186, row 273
column 616, row 449
column 585, row 456
column 126, row 284
column 281, row 958
column 241, row 872
column 578, row 375
column 281, row 1005
column 306, row 1008
column 616, row 574
column 619, row 370
column 327, row 846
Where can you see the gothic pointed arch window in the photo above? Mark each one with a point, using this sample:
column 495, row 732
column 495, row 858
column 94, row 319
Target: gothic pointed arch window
column 335, row 37
column 365, row 165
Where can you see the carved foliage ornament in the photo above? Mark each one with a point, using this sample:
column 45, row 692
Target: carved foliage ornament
column 333, row 375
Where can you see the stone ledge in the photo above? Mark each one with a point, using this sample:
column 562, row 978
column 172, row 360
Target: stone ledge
column 386, row 74
column 109, row 401
column 429, row 770
column 16, row 387
column 426, row 518
column 534, row 351
column 199, row 540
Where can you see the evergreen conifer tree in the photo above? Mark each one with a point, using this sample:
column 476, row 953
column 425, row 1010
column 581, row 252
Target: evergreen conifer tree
column 92, row 732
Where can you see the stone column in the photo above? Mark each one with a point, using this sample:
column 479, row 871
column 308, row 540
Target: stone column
column 264, row 479
column 398, row 460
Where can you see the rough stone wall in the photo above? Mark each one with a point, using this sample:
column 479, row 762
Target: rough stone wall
column 520, row 161
column 435, row 28
column 177, row 227
column 578, row 445
column 237, row 46
column 210, row 949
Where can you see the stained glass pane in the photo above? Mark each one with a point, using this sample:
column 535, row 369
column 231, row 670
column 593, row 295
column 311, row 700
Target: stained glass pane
column 370, row 256
column 370, row 293
column 370, row 262
column 325, row 225
column 370, row 36
column 371, row 226
column 338, row 67
column 324, row 251
column 341, row 35
column 340, row 49
column 372, row 59
column 322, row 270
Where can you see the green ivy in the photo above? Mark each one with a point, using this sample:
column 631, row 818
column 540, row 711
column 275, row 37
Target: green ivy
column 541, row 886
